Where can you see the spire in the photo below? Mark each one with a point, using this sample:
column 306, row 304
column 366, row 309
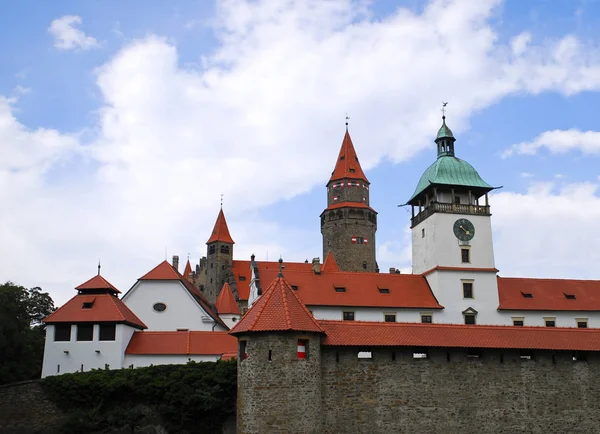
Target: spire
column 226, row 303
column 220, row 231
column 445, row 139
column 347, row 165
column 188, row 269
column 278, row 309
column 330, row 264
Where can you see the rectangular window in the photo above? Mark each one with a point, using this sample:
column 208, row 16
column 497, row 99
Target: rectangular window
column 465, row 257
column 62, row 332
column 467, row 289
column 384, row 290
column 518, row 322
column 87, row 305
column 242, row 278
column 470, row 318
column 389, row 317
column 570, row 296
column 358, row 240
column 550, row 322
column 340, row 289
column 85, row 332
column 426, row 318
column 211, row 249
column 303, row 348
column 457, row 200
column 527, row 295
column 243, row 354
column 107, row 332
column 348, row 316
column 582, row 323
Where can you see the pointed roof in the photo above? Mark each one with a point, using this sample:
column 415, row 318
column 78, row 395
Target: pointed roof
column 278, row 309
column 163, row 271
column 226, row 301
column 220, row 231
column 97, row 283
column 330, row 264
column 188, row 269
column 444, row 130
column 99, row 308
column 347, row 165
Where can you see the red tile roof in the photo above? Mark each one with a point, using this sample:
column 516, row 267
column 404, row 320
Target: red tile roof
column 278, row 309
column 220, row 231
column 330, row 264
column 182, row 343
column 188, row 269
column 548, row 294
column 241, row 269
column 105, row 308
column 226, row 303
column 347, row 165
column 349, row 205
column 163, row 271
column 97, row 282
column 361, row 289
column 365, row 334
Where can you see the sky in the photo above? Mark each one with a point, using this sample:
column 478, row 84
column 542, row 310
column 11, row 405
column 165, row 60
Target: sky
column 122, row 123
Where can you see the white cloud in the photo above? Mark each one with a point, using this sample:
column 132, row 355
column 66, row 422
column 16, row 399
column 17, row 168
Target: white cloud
column 260, row 121
column 547, row 231
column 68, row 37
column 559, row 142
column 527, row 175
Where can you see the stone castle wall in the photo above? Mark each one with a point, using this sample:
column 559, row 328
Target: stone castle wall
column 448, row 392
column 283, row 394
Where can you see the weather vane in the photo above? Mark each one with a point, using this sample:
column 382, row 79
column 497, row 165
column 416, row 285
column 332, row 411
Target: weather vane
column 347, row 119
column 222, row 200
column 444, row 104
column 99, row 266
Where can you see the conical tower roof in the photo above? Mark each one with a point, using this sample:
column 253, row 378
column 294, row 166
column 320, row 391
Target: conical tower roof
column 188, row 269
column 347, row 165
column 278, row 309
column 220, row 231
column 226, row 301
column 330, row 264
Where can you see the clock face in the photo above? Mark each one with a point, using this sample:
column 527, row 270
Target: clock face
column 464, row 229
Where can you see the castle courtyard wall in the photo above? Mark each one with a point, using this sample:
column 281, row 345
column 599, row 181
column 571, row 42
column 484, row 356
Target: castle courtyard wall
column 449, row 392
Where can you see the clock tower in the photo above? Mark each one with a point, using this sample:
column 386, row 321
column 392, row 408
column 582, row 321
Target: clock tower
column 452, row 235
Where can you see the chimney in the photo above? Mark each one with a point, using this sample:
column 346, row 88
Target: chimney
column 316, row 265
column 392, row 270
column 176, row 262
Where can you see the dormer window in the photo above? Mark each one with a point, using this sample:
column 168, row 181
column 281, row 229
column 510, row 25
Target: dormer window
column 527, row 295
column 384, row 290
column 342, row 158
column 352, row 170
column 88, row 303
column 570, row 296
column 295, row 287
column 340, row 289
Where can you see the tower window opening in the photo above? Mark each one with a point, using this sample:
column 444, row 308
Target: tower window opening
column 303, row 349
column 270, row 355
column 467, row 289
column 62, row 332
column 243, row 355
column 359, row 240
column 225, row 249
column 85, row 332
column 364, row 265
column 211, row 249
column 465, row 257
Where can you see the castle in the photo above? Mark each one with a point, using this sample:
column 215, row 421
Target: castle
column 339, row 345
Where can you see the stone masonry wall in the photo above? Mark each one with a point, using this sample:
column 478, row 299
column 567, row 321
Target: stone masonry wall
column 282, row 395
column 449, row 392
column 24, row 409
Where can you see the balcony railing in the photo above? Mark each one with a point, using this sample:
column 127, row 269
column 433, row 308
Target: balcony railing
column 449, row 208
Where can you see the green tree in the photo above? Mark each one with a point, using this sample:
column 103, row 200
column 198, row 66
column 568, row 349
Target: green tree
column 22, row 332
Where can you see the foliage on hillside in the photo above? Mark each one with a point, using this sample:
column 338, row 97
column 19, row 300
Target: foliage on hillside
column 22, row 333
column 196, row 397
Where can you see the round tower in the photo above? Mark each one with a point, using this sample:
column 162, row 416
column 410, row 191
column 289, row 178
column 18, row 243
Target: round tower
column 279, row 365
column 348, row 224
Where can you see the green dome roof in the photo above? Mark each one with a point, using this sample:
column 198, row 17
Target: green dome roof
column 444, row 131
column 449, row 170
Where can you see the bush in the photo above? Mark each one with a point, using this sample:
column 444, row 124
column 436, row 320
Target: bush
column 196, row 397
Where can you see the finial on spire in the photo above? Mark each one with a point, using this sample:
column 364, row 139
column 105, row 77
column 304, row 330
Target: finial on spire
column 99, row 267
column 281, row 267
column 222, row 200
column 444, row 104
column 347, row 119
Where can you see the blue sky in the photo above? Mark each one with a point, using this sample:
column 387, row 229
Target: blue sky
column 121, row 148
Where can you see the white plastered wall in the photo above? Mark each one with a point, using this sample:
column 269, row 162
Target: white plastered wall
column 183, row 311
column 95, row 354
